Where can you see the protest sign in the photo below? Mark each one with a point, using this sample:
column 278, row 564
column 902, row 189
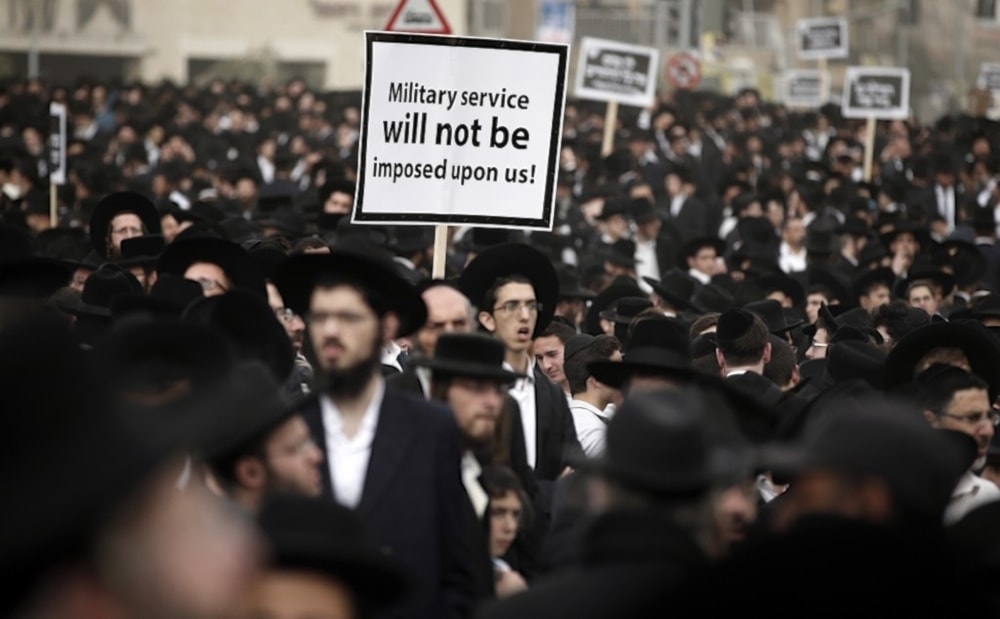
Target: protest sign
column 989, row 76
column 879, row 92
column 460, row 130
column 821, row 37
column 57, row 156
column 612, row 71
column 806, row 88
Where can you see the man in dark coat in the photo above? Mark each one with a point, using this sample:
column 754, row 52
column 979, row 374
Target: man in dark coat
column 638, row 545
column 392, row 457
column 744, row 348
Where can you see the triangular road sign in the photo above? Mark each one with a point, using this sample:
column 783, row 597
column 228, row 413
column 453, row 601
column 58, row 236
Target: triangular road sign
column 420, row 16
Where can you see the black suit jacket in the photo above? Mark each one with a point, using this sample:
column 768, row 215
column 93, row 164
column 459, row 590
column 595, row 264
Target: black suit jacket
column 413, row 500
column 555, row 435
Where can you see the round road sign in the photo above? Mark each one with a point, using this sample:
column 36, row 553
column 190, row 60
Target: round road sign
column 683, row 71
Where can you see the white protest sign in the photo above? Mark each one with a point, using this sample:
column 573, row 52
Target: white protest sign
column 613, row 71
column 989, row 76
column 877, row 92
column 57, row 143
column 806, row 88
column 460, row 130
column 821, row 37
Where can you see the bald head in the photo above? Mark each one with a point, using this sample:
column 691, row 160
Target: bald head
column 448, row 311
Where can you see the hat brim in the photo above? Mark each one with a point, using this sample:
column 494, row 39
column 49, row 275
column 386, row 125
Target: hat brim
column 465, row 368
column 513, row 259
column 981, row 351
column 603, row 300
column 578, row 292
column 676, row 301
column 297, row 276
column 235, row 262
column 114, row 204
column 691, row 246
column 616, row 374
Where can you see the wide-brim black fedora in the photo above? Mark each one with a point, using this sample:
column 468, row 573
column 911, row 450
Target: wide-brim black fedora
column 314, row 535
column 978, row 345
column 987, row 306
column 838, row 287
column 884, row 276
column 787, row 285
column 692, row 247
column 944, row 282
column 921, row 235
column 114, row 204
column 142, row 251
column 472, row 355
column 356, row 260
column 676, row 288
column 167, row 298
column 234, row 261
column 771, row 312
column 512, row 259
column 626, row 309
column 569, row 283
column 620, row 287
column 661, row 348
column 33, row 278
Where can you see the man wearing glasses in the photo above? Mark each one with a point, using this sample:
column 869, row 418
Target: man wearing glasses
column 953, row 399
column 516, row 289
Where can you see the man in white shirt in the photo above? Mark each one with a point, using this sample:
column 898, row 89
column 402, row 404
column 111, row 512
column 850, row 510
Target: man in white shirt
column 792, row 252
column 953, row 399
column 591, row 398
column 392, row 457
column 701, row 258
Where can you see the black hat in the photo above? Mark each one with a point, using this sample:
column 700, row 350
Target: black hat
column 166, row 299
column 704, row 344
column 987, row 306
column 359, row 261
column 513, row 259
column 408, row 240
column 287, row 221
column 114, row 204
column 966, row 261
column 33, row 278
column 612, row 207
column 855, row 360
column 733, row 324
column 569, row 283
column 675, row 287
column 878, row 437
column 314, row 535
column 478, row 240
column 712, row 298
column 626, row 309
column 921, row 235
column 872, row 253
column 619, row 288
column 250, row 325
column 833, row 282
column 142, row 251
column 620, row 253
column 771, row 312
column 970, row 337
column 660, row 346
column 822, row 239
column 642, row 210
column 693, row 246
column 867, row 279
column 234, row 261
column 784, row 284
column 576, row 343
column 102, row 287
column 945, row 282
column 469, row 354
column 856, row 227
column 658, row 444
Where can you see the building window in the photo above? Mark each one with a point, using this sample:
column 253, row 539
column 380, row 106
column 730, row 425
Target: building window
column 986, row 10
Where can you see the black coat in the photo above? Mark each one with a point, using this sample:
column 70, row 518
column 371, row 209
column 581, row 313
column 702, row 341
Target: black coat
column 557, row 445
column 631, row 561
column 413, row 500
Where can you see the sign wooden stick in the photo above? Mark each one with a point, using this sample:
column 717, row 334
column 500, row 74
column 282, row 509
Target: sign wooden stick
column 53, row 205
column 610, row 120
column 440, row 251
column 869, row 148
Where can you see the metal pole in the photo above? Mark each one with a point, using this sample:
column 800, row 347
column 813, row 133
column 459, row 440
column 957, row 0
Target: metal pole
column 960, row 51
column 684, row 32
column 36, row 18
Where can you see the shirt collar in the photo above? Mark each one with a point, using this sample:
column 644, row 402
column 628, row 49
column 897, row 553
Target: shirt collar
column 587, row 406
column 370, row 419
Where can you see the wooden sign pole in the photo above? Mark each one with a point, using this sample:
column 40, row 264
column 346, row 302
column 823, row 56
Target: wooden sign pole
column 610, row 120
column 53, row 205
column 440, row 251
column 869, row 148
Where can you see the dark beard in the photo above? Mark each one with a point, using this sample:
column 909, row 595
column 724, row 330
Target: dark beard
column 350, row 382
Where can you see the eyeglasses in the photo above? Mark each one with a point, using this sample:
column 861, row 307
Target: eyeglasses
column 975, row 419
column 511, row 307
column 317, row 319
column 208, row 285
column 284, row 314
column 815, row 344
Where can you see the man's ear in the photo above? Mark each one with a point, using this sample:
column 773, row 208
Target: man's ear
column 721, row 360
column 249, row 473
column 488, row 321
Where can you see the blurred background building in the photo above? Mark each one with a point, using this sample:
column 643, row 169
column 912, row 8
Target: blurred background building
column 739, row 42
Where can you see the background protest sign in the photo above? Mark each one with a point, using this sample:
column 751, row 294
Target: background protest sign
column 877, row 92
column 821, row 37
column 460, row 130
column 989, row 76
column 806, row 88
column 613, row 71
column 57, row 143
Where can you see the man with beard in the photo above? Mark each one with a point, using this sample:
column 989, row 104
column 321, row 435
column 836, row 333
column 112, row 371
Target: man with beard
column 270, row 450
column 467, row 374
column 953, row 399
column 392, row 457
column 300, row 382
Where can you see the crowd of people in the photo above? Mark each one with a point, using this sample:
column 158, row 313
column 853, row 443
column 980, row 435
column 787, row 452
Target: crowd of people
column 739, row 374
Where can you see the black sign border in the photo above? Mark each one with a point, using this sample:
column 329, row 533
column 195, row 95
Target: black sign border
column 543, row 223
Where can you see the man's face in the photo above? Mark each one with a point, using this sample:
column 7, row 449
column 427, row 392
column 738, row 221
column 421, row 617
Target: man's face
column 286, row 594
column 212, row 278
column 291, row 321
column 703, row 260
column 813, row 303
column 877, row 297
column 549, row 354
column 339, row 203
column 821, row 492
column 293, row 459
column 571, row 310
column 447, row 312
column 794, row 232
column 968, row 412
column 923, row 297
column 122, row 226
column 615, row 227
column 905, row 243
column 735, row 509
column 476, row 403
column 818, row 346
column 505, row 515
column 515, row 326
column 343, row 329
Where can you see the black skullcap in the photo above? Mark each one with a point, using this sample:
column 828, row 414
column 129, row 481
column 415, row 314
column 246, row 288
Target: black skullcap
column 577, row 343
column 733, row 324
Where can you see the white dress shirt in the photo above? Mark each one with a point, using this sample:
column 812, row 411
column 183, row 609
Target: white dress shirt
column 791, row 261
column 390, row 355
column 523, row 393
column 346, row 456
column 701, row 277
column 946, row 204
column 972, row 491
column 590, row 429
column 471, row 470
column 647, row 264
